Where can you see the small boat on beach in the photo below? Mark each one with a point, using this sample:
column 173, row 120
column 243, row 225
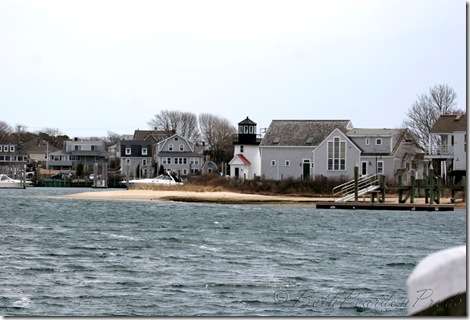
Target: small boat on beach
column 162, row 180
column 7, row 182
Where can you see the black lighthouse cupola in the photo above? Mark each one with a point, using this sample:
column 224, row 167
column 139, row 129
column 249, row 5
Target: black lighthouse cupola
column 247, row 132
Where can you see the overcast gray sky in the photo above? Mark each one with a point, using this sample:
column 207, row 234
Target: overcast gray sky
column 86, row 67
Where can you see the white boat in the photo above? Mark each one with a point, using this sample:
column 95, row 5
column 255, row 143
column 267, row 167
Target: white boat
column 161, row 180
column 7, row 182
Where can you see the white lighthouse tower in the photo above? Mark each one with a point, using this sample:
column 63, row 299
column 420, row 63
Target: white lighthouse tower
column 246, row 162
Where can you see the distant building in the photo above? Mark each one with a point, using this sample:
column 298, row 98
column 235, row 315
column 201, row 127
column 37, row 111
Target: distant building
column 12, row 159
column 448, row 144
column 179, row 155
column 287, row 149
column 136, row 158
column 86, row 152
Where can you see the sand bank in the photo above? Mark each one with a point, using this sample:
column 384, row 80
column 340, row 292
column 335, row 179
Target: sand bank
column 216, row 197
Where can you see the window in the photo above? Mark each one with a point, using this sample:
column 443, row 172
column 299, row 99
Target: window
column 251, row 129
column 94, row 148
column 77, row 147
column 380, row 167
column 170, row 147
column 336, row 155
column 128, row 151
column 287, row 163
column 273, row 163
column 246, row 129
column 1, row 148
column 367, row 141
column 185, row 172
column 12, row 148
column 241, row 149
column 168, row 160
column 144, row 162
column 176, row 138
column 181, row 147
column 378, row 141
column 144, row 151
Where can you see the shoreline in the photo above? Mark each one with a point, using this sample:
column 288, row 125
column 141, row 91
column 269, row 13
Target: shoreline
column 220, row 197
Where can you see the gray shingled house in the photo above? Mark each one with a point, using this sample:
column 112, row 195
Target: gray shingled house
column 287, row 147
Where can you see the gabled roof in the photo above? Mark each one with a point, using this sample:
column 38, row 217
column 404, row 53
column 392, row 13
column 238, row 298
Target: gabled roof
column 240, row 157
column 247, row 121
column 156, row 135
column 301, row 132
column 33, row 146
column 243, row 158
column 189, row 143
column 448, row 123
column 334, row 132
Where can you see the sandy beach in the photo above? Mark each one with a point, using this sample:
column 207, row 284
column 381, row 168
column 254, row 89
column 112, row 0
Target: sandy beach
column 219, row 197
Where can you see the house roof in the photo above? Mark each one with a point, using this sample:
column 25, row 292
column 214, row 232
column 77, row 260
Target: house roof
column 247, row 121
column 243, row 158
column 448, row 123
column 301, row 132
column 157, row 135
column 33, row 146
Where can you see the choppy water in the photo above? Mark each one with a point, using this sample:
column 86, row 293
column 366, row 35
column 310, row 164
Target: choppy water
column 68, row 257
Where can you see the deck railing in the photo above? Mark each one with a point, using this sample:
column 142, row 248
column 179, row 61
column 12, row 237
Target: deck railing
column 366, row 183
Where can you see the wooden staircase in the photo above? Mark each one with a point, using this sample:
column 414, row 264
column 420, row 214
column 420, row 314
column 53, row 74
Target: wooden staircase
column 346, row 192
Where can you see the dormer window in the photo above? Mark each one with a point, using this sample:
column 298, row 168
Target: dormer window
column 128, row 151
column 144, row 151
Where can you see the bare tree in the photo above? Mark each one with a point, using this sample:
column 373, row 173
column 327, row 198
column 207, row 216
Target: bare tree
column 218, row 133
column 5, row 132
column 184, row 123
column 112, row 138
column 51, row 132
column 428, row 108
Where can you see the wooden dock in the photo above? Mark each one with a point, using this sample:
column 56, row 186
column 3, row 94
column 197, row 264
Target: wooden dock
column 384, row 206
